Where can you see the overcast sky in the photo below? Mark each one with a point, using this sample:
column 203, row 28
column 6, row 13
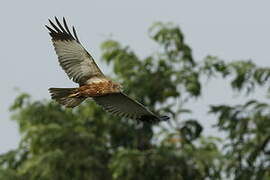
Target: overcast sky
column 232, row 30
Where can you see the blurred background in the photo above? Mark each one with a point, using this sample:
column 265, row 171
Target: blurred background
column 208, row 66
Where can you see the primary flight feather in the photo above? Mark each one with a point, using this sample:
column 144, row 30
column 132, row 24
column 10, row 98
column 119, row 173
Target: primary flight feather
column 82, row 69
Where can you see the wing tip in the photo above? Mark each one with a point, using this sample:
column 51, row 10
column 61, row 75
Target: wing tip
column 153, row 119
column 164, row 118
column 61, row 32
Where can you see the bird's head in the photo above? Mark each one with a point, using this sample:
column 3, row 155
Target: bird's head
column 116, row 87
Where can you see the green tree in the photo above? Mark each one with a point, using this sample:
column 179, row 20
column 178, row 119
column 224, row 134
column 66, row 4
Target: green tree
column 86, row 143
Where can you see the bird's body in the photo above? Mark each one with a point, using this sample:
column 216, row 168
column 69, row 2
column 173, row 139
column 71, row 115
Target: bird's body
column 98, row 89
column 82, row 69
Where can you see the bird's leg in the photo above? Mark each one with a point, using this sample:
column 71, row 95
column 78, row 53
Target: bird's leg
column 74, row 95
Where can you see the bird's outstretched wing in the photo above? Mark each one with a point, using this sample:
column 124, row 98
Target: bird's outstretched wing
column 73, row 58
column 121, row 105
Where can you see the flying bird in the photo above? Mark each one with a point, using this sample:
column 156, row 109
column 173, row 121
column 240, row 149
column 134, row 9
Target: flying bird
column 80, row 66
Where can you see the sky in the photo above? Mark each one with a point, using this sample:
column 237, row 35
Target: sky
column 231, row 30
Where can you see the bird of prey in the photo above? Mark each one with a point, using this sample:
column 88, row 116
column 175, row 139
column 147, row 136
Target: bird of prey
column 82, row 69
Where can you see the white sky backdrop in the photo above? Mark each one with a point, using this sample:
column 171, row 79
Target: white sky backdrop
column 232, row 30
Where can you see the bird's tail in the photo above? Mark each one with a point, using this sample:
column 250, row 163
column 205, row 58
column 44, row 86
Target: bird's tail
column 68, row 97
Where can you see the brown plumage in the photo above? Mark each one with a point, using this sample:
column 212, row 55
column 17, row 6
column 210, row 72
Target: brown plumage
column 82, row 69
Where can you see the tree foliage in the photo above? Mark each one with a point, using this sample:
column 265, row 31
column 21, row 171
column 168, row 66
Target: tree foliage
column 87, row 143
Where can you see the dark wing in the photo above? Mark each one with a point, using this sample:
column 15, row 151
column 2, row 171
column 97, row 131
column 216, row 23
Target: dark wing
column 121, row 105
column 73, row 58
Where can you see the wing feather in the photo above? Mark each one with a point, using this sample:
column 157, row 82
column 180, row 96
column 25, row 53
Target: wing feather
column 121, row 105
column 73, row 58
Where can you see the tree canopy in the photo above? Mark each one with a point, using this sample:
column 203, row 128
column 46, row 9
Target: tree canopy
column 87, row 143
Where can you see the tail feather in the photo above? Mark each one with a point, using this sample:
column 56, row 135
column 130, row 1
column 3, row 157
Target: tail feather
column 66, row 96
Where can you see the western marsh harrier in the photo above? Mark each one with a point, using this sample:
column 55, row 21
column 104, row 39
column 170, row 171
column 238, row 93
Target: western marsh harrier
column 82, row 69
